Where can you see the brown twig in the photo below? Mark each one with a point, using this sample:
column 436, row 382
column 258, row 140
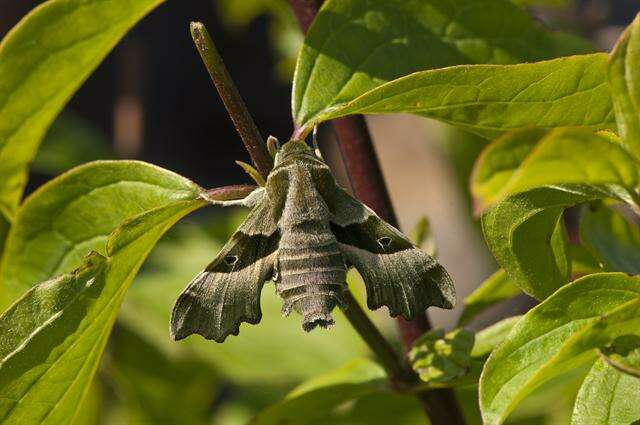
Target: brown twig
column 368, row 185
column 232, row 100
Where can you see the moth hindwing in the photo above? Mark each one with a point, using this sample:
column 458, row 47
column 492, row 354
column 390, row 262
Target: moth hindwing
column 304, row 232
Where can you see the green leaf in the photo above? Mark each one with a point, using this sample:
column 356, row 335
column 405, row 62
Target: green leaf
column 607, row 397
column 527, row 237
column 158, row 389
column 43, row 61
column 624, row 354
column 624, row 74
column 314, row 399
column 583, row 262
column 562, row 332
column 489, row 338
column 518, row 162
column 498, row 162
column 491, row 99
column 498, row 287
column 526, row 234
column 611, row 238
column 53, row 337
column 74, row 213
column 354, row 46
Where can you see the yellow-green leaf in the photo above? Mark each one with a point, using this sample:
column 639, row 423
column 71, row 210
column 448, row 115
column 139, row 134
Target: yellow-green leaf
column 43, row 61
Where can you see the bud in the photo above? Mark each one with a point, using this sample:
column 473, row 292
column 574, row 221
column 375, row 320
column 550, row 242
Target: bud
column 439, row 358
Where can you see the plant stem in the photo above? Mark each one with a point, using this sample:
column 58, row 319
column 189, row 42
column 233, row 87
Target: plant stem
column 368, row 185
column 389, row 358
column 232, row 100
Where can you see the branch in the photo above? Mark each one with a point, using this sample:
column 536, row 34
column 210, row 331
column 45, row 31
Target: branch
column 232, row 100
column 389, row 358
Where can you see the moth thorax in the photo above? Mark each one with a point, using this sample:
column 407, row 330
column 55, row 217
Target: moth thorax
column 311, row 276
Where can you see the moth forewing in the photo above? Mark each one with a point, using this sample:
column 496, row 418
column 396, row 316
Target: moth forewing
column 227, row 292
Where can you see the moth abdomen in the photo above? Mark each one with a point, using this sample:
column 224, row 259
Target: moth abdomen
column 311, row 277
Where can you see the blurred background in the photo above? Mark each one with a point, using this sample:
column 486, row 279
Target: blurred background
column 152, row 100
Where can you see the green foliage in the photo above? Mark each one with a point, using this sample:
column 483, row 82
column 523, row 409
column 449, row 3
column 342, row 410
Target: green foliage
column 607, row 396
column 530, row 177
column 483, row 66
column 440, row 358
column 498, row 287
column 624, row 354
column 49, row 362
column 530, row 159
column 322, row 400
column 489, row 338
column 75, row 213
column 66, row 40
column 559, row 334
column 611, row 238
column 160, row 389
column 624, row 73
column 355, row 46
column 490, row 99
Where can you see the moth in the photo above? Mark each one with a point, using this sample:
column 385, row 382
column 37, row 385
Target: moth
column 303, row 232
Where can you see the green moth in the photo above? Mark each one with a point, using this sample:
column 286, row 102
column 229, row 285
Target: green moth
column 304, row 232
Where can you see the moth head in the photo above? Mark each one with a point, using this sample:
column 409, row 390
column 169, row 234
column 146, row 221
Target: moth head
column 293, row 148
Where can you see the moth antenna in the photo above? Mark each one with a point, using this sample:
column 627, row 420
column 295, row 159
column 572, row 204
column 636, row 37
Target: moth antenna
column 273, row 145
column 316, row 148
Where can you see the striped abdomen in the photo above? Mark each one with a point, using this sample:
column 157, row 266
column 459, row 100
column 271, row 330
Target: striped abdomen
column 311, row 273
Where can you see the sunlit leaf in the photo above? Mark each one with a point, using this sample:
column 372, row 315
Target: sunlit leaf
column 315, row 399
column 624, row 74
column 53, row 337
column 529, row 159
column 354, row 46
column 43, row 61
column 73, row 214
column 498, row 287
column 527, row 236
column 490, row 100
column 624, row 354
column 489, row 338
column 158, row 389
column 441, row 358
column 607, row 397
column 564, row 331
